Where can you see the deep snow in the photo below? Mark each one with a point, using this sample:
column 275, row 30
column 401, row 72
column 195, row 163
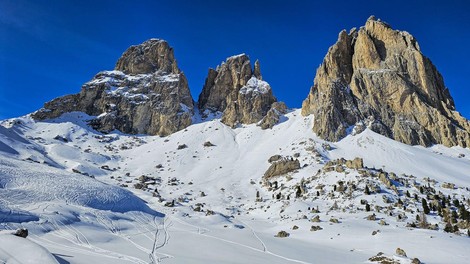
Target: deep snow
column 45, row 188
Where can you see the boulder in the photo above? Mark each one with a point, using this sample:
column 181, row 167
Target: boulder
column 22, row 232
column 281, row 167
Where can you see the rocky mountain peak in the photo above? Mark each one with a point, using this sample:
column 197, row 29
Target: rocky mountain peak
column 239, row 93
column 145, row 94
column 377, row 77
column 150, row 56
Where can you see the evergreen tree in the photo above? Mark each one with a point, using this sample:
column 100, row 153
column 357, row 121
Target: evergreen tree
column 367, row 191
column 464, row 214
column 425, row 206
column 454, row 217
column 367, row 208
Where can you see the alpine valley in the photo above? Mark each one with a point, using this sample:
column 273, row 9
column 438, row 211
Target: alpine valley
column 374, row 168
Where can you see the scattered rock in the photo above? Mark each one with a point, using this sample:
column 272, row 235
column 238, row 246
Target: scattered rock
column 334, row 220
column 22, row 232
column 170, row 204
column 382, row 222
column 315, row 219
column 183, row 146
column 400, row 252
column 138, row 186
column 382, row 259
column 448, row 185
column 282, row 234
column 208, row 144
column 371, row 217
column 61, row 138
column 315, row 228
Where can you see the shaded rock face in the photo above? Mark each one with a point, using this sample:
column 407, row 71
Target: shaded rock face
column 146, row 93
column 273, row 116
column 377, row 77
column 237, row 91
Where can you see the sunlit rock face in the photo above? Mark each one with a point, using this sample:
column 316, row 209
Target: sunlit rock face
column 377, row 77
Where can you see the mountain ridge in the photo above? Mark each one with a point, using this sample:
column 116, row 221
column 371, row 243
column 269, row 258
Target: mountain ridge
column 373, row 77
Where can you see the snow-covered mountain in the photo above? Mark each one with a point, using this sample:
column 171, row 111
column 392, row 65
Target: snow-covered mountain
column 245, row 180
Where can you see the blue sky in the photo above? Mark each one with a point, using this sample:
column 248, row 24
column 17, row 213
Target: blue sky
column 49, row 48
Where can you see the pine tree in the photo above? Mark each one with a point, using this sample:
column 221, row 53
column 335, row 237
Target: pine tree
column 454, row 217
column 464, row 214
column 367, row 191
column 425, row 206
column 367, row 208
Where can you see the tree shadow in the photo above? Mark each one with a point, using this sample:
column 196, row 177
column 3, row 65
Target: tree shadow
column 61, row 260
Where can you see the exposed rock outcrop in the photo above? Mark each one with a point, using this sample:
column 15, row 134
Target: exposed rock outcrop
column 282, row 166
column 238, row 92
column 146, row 93
column 273, row 116
column 377, row 77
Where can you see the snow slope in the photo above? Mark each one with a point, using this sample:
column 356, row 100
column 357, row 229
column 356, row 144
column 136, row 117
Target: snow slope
column 17, row 250
column 47, row 185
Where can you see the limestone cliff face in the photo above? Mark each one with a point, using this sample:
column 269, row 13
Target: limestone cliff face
column 377, row 77
column 146, row 93
column 238, row 92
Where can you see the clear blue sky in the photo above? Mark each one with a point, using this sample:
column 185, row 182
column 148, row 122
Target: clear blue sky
column 49, row 48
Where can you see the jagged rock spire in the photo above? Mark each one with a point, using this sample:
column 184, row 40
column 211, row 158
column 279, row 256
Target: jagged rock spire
column 239, row 92
column 151, row 56
column 377, row 77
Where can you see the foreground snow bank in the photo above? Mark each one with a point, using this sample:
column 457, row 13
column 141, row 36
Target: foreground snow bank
column 16, row 250
column 24, row 183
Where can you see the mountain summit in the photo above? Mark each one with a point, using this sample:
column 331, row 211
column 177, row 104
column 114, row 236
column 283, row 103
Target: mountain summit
column 145, row 94
column 377, row 77
column 148, row 94
column 238, row 91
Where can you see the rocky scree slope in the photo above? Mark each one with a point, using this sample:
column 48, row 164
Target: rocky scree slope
column 239, row 92
column 146, row 93
column 377, row 77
